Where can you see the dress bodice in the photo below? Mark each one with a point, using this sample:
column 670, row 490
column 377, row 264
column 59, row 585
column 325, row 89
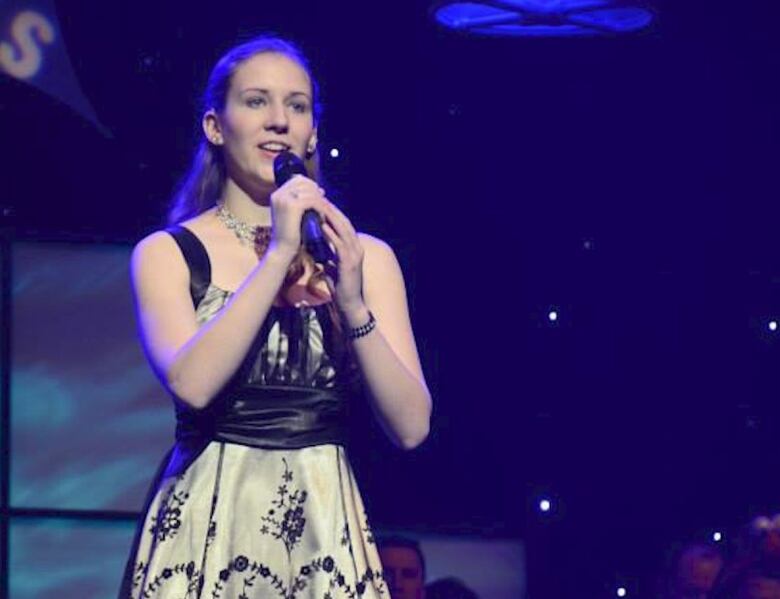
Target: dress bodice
column 293, row 387
column 297, row 346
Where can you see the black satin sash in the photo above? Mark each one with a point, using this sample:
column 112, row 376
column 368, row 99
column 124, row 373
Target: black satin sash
column 267, row 417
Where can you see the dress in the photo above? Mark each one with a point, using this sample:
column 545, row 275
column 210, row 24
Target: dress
column 257, row 497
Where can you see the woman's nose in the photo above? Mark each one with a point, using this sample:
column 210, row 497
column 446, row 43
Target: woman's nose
column 276, row 117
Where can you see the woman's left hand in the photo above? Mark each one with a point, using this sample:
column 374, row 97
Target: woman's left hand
column 346, row 276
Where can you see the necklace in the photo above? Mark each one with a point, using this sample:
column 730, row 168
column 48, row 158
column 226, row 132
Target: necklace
column 256, row 235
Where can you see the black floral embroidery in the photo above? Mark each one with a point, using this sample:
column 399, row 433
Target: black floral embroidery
column 187, row 570
column 289, row 528
column 285, row 521
column 367, row 531
column 241, row 563
column 138, row 573
column 166, row 523
column 211, row 533
column 324, row 565
column 327, row 564
column 345, row 538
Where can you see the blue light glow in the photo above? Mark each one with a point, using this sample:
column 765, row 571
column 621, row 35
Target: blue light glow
column 544, row 18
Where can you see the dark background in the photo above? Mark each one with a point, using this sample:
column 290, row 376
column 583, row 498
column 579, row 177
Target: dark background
column 629, row 183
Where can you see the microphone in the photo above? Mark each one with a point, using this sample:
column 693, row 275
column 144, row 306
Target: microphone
column 287, row 164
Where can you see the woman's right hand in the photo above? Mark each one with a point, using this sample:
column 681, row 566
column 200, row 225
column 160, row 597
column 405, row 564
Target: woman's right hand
column 288, row 203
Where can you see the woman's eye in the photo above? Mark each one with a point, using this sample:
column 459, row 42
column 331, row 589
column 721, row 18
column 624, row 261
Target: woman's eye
column 255, row 102
column 299, row 107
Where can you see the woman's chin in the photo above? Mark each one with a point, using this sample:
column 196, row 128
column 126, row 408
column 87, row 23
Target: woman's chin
column 262, row 187
column 266, row 175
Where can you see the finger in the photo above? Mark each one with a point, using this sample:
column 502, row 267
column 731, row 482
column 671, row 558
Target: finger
column 330, row 282
column 334, row 238
column 341, row 223
column 339, row 217
column 298, row 186
column 302, row 183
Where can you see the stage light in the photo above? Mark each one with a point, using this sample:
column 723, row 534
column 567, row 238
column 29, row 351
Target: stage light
column 552, row 316
column 621, row 592
column 717, row 536
column 543, row 18
column 334, row 153
column 545, row 505
column 772, row 325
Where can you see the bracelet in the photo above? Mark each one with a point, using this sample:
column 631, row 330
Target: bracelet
column 363, row 330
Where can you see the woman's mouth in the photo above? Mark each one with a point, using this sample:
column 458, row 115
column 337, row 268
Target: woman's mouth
column 273, row 148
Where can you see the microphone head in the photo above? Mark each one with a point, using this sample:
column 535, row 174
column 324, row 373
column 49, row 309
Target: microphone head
column 287, row 164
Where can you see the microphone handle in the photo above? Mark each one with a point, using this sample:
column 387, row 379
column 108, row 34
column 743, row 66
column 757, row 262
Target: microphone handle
column 314, row 239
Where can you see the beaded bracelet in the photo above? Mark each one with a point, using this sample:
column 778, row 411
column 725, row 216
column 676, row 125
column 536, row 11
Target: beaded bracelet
column 363, row 330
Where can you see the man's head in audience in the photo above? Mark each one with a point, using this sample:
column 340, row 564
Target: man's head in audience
column 694, row 572
column 403, row 565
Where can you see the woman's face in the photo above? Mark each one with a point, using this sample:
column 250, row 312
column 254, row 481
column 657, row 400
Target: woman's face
column 268, row 109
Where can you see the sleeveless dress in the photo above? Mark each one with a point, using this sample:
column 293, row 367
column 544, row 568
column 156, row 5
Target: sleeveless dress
column 257, row 498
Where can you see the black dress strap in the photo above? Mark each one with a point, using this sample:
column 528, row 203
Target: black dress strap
column 197, row 260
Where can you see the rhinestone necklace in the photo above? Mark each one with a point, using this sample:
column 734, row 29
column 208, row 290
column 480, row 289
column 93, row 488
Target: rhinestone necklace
column 258, row 236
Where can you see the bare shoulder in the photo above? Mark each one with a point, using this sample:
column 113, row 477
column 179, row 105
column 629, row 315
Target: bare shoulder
column 159, row 245
column 156, row 259
column 160, row 250
column 381, row 270
column 376, row 250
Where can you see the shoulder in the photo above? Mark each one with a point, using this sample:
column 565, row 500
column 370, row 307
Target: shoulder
column 157, row 245
column 380, row 265
column 157, row 256
column 375, row 248
column 161, row 244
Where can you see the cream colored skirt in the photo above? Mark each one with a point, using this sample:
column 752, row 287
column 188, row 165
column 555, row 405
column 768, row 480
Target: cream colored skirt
column 246, row 523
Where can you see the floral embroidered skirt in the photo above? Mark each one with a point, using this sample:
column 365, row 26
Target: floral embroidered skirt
column 244, row 523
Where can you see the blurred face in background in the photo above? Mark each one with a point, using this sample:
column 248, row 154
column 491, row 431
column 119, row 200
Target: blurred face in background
column 697, row 571
column 760, row 587
column 403, row 572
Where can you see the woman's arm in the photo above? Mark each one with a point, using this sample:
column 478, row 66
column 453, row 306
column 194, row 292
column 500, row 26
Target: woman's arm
column 369, row 278
column 195, row 363
column 388, row 355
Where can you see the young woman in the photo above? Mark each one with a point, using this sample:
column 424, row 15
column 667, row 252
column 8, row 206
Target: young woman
column 262, row 351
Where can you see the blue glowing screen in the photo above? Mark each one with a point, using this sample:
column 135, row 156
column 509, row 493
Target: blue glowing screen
column 67, row 559
column 90, row 422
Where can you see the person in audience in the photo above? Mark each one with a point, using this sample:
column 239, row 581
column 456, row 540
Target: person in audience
column 449, row 588
column 403, row 565
column 694, row 570
column 754, row 572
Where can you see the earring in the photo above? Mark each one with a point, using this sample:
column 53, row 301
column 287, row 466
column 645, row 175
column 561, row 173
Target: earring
column 310, row 149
